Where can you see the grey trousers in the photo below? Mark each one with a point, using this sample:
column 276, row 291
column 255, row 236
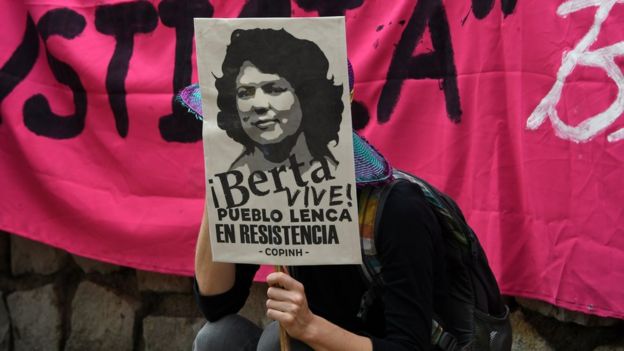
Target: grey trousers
column 236, row 333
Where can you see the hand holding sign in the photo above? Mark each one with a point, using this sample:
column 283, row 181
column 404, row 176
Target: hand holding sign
column 288, row 305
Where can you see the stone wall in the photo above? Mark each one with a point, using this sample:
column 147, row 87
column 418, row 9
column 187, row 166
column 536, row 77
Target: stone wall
column 52, row 300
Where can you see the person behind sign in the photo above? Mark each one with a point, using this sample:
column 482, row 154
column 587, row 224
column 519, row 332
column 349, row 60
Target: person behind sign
column 334, row 307
column 319, row 306
column 275, row 99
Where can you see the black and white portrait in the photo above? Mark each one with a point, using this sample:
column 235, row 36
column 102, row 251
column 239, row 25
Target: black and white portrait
column 275, row 99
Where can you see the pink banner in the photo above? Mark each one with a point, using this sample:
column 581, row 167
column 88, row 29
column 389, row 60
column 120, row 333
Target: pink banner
column 512, row 107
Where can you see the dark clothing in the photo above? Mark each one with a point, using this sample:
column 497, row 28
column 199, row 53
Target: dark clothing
column 410, row 249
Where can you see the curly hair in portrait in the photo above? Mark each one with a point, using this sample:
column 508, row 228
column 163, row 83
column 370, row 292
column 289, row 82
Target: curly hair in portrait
column 303, row 64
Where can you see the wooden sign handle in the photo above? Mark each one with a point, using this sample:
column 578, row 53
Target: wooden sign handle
column 284, row 338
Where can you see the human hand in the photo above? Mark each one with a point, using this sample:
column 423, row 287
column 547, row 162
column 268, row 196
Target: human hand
column 288, row 305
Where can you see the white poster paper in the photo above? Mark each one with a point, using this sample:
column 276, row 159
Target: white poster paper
column 278, row 149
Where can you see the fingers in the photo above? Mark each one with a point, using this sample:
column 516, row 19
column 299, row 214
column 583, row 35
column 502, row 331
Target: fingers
column 282, row 306
column 287, row 304
column 277, row 293
column 289, row 314
column 286, row 298
column 282, row 317
column 284, row 312
column 284, row 280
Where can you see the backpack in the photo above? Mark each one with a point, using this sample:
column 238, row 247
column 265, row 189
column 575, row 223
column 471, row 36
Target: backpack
column 476, row 317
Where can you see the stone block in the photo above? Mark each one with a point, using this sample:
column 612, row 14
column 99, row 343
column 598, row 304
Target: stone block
column 176, row 305
column 619, row 347
column 255, row 306
column 170, row 333
column 36, row 319
column 5, row 244
column 564, row 315
column 92, row 266
column 571, row 336
column 157, row 282
column 101, row 319
column 29, row 256
column 5, row 326
column 525, row 337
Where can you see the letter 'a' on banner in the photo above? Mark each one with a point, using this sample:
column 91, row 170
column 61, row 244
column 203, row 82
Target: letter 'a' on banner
column 277, row 140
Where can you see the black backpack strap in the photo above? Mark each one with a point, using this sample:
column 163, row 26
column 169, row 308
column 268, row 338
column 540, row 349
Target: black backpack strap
column 371, row 202
column 444, row 340
column 487, row 294
column 444, row 206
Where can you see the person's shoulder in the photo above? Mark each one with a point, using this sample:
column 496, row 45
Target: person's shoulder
column 239, row 162
column 399, row 196
column 407, row 210
column 406, row 198
column 249, row 162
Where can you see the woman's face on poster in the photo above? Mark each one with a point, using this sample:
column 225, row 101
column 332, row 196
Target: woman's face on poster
column 267, row 105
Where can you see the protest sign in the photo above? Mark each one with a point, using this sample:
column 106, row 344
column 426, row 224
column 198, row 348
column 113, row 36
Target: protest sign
column 277, row 141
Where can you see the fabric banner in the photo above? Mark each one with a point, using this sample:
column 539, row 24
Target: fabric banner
column 511, row 106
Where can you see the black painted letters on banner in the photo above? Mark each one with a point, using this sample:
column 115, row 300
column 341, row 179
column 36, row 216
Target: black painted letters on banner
column 38, row 117
column 21, row 61
column 329, row 8
column 438, row 64
column 482, row 8
column 266, row 8
column 123, row 21
column 181, row 126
